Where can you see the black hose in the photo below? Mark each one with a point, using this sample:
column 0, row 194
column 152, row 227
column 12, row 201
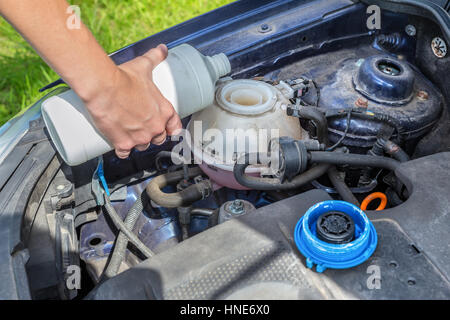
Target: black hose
column 341, row 187
column 173, row 155
column 119, row 251
column 258, row 183
column 120, row 225
column 316, row 116
column 394, row 150
column 182, row 198
column 357, row 160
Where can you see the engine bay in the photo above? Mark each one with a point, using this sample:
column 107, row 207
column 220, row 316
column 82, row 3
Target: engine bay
column 209, row 217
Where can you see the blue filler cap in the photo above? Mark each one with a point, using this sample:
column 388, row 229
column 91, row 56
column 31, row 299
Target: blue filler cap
column 329, row 255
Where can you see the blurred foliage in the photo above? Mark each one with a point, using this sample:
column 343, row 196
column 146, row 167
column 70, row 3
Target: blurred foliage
column 114, row 23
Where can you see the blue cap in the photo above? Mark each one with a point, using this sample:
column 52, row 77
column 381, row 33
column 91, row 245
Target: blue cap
column 335, row 256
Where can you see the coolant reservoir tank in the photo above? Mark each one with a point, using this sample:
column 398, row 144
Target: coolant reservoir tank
column 186, row 78
column 246, row 115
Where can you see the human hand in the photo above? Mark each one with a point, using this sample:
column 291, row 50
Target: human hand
column 130, row 110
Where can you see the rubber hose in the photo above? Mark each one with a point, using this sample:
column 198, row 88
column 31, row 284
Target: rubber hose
column 319, row 119
column 203, row 212
column 117, row 220
column 182, row 198
column 119, row 251
column 258, row 183
column 341, row 187
column 395, row 151
column 357, row 160
column 169, row 154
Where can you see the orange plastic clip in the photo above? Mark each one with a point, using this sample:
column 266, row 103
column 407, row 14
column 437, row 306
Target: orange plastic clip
column 373, row 196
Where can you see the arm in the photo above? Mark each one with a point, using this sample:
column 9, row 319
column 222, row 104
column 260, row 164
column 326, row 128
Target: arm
column 123, row 101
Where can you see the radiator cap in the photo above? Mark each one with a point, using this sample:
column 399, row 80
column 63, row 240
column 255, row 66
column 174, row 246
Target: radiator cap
column 332, row 255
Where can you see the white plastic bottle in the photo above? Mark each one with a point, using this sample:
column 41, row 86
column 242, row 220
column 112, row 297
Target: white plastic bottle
column 186, row 78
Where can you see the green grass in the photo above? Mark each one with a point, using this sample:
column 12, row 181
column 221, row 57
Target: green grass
column 115, row 24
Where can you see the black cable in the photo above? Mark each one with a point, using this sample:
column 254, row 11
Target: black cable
column 317, row 92
column 138, row 177
column 371, row 116
column 338, row 143
column 357, row 160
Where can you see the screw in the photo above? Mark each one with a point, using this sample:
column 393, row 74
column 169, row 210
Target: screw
column 362, row 102
column 422, row 95
column 264, row 28
column 410, row 30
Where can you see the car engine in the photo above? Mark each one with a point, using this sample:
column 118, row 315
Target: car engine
column 214, row 213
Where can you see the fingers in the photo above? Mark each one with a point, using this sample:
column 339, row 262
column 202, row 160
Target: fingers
column 160, row 139
column 157, row 55
column 157, row 140
column 122, row 154
column 142, row 147
column 156, row 117
column 173, row 126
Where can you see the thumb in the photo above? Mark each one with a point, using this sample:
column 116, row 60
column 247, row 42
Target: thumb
column 157, row 55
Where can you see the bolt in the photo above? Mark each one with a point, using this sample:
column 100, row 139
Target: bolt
column 238, row 204
column 362, row 102
column 60, row 187
column 410, row 30
column 236, row 207
column 422, row 95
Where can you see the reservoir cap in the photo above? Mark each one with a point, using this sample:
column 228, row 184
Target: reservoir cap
column 335, row 227
column 335, row 221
